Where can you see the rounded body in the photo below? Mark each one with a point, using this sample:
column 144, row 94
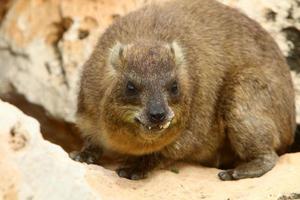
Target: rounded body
column 238, row 99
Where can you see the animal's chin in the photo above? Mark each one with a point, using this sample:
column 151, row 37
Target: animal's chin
column 150, row 137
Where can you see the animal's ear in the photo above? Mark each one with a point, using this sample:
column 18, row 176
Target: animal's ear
column 116, row 55
column 177, row 52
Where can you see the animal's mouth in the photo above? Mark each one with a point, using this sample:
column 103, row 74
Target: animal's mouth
column 156, row 127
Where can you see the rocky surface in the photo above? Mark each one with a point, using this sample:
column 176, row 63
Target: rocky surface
column 32, row 168
column 44, row 43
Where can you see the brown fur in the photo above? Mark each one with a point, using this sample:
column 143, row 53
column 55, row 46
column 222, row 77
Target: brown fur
column 236, row 102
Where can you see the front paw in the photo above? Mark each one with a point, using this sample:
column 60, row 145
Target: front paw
column 83, row 156
column 227, row 175
column 131, row 173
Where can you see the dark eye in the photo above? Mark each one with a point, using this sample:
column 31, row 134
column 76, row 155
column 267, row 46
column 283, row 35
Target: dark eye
column 174, row 88
column 131, row 90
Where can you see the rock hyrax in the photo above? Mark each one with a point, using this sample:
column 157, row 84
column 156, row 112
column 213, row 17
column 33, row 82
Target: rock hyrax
column 190, row 80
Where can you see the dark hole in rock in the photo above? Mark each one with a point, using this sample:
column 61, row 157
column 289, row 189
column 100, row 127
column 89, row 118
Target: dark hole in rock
column 115, row 16
column 59, row 132
column 293, row 59
column 66, row 23
column 60, row 28
column 271, row 15
column 13, row 132
column 296, row 146
column 17, row 140
column 4, row 6
column 290, row 196
column 290, row 13
column 83, row 34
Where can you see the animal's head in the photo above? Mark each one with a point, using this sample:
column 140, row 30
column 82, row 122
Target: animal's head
column 148, row 96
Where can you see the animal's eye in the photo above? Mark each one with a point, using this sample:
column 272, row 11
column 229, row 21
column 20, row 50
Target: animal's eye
column 174, row 88
column 131, row 90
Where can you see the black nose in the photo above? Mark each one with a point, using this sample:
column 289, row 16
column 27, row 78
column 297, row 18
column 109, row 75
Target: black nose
column 157, row 115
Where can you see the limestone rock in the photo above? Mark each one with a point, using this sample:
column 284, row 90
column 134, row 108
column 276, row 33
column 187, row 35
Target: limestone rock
column 43, row 45
column 32, row 168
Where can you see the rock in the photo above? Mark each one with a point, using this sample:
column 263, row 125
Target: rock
column 33, row 168
column 43, row 44
column 54, row 130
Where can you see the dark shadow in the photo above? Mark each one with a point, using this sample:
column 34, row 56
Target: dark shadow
column 293, row 59
column 296, row 146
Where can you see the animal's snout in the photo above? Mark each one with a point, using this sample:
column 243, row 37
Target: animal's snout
column 157, row 113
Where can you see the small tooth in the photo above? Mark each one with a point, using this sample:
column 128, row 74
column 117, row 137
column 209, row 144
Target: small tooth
column 166, row 125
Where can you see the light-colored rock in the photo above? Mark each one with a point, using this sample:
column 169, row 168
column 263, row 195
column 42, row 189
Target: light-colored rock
column 32, row 168
column 43, row 44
